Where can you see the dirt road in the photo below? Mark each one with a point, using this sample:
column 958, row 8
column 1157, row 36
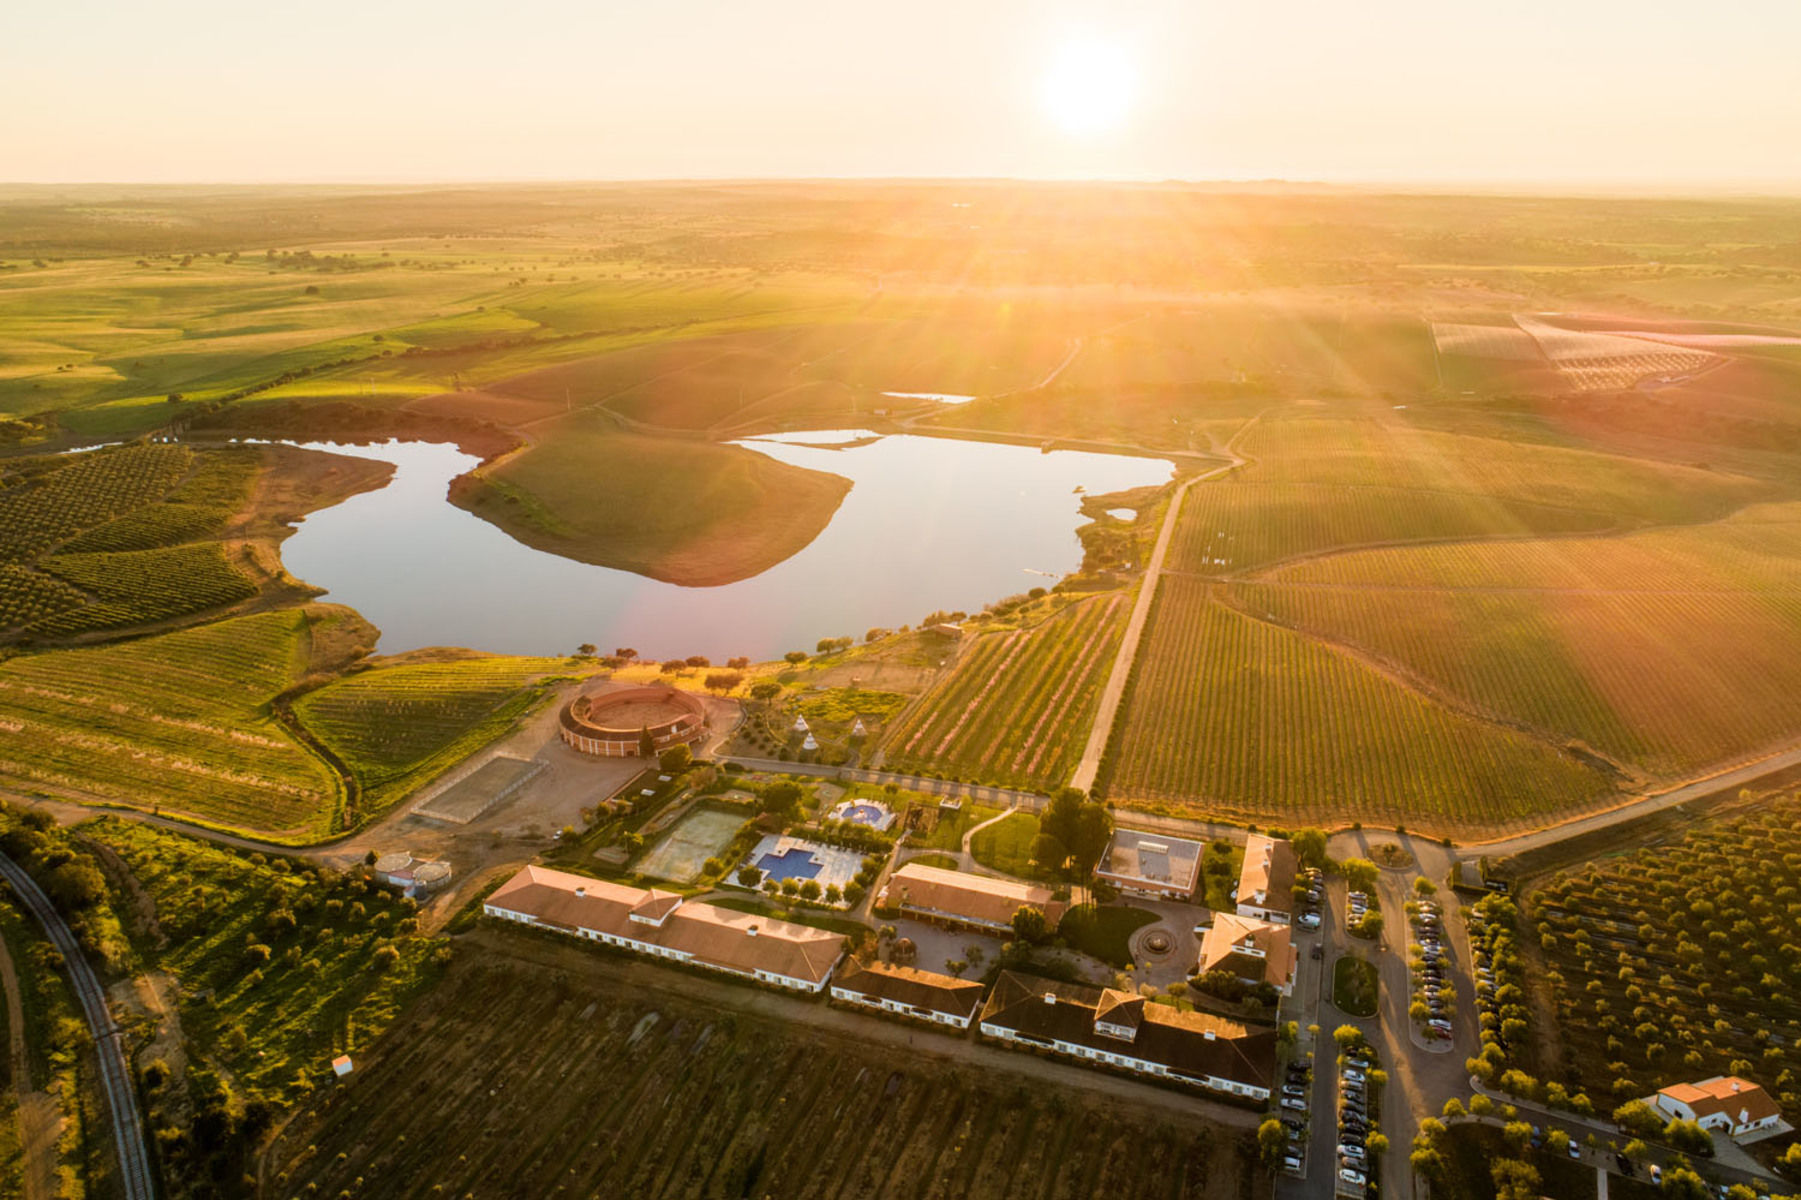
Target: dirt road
column 1115, row 690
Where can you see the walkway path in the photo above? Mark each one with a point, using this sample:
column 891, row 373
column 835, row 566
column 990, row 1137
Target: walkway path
column 1115, row 690
column 135, row 1178
column 39, row 1118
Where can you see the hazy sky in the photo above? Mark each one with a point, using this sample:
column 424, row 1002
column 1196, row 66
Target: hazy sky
column 1654, row 92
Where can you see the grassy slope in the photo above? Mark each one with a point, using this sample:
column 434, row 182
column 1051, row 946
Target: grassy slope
column 398, row 727
column 179, row 723
column 693, row 513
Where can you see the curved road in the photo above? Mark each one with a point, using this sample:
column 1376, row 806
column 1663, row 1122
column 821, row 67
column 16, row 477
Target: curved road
column 136, row 1179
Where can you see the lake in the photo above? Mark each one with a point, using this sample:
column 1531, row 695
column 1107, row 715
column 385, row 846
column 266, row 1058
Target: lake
column 929, row 524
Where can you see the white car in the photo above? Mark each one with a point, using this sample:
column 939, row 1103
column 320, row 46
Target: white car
column 1352, row 1176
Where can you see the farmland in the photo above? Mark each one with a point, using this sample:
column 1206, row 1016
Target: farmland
column 108, row 540
column 1674, row 962
column 1014, row 708
column 1666, row 650
column 1230, row 715
column 180, row 723
column 398, row 726
column 675, row 1087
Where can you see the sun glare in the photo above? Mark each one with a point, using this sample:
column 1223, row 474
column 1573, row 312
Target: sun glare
column 1088, row 86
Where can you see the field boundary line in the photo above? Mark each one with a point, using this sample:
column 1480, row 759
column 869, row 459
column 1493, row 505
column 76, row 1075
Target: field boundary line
column 1113, row 693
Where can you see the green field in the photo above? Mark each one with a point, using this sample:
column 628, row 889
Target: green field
column 1016, row 707
column 180, row 724
column 1103, row 932
column 1006, row 845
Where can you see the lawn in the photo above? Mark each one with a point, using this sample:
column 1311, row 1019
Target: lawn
column 1005, row 846
column 1104, row 932
column 1356, row 986
column 948, row 833
column 948, row 862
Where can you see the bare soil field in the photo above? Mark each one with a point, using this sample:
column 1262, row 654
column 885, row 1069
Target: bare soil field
column 594, row 1087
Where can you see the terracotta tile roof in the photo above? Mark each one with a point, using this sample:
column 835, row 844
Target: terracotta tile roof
column 972, row 897
column 912, row 987
column 1047, row 1010
column 1742, row 1101
column 1267, row 879
column 1223, row 946
column 714, row 936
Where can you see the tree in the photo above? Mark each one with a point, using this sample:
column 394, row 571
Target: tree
column 1481, row 1106
column 1348, row 1037
column 1558, row 1141
column 810, row 890
column 1638, row 1119
column 1310, row 848
column 749, row 876
column 1029, row 924
column 782, row 799
column 671, row 666
column 795, row 656
column 676, row 759
column 1376, row 1143
column 647, row 745
column 1094, row 829
column 698, row 661
column 723, row 681
column 876, row 634
column 585, row 650
column 1453, row 1108
column 1049, row 852
column 1272, row 1141
column 1361, row 874
column 1688, row 1137
column 1061, row 814
column 768, row 689
column 625, row 652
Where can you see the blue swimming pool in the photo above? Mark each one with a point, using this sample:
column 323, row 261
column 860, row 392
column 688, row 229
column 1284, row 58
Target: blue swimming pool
column 792, row 863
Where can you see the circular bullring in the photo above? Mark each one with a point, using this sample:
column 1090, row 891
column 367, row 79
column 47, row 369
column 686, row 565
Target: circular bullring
column 613, row 724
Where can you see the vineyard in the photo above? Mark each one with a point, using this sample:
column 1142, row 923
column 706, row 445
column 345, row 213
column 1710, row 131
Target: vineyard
column 1230, row 526
column 1385, row 453
column 1234, row 717
column 135, row 587
column 613, row 1079
column 397, row 727
column 178, row 724
column 1678, row 963
column 108, row 539
column 1015, row 708
column 1666, row 682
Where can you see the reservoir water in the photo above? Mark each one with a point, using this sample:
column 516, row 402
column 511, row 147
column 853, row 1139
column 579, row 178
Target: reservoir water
column 929, row 524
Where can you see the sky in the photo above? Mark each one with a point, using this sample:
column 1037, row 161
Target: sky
column 1649, row 93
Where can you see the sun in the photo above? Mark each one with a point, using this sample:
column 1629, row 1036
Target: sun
column 1088, row 86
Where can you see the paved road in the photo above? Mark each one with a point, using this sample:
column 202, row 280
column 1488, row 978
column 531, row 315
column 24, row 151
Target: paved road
column 1681, row 794
column 1115, row 690
column 136, row 1180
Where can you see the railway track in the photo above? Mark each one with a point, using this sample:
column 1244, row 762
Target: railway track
column 137, row 1181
